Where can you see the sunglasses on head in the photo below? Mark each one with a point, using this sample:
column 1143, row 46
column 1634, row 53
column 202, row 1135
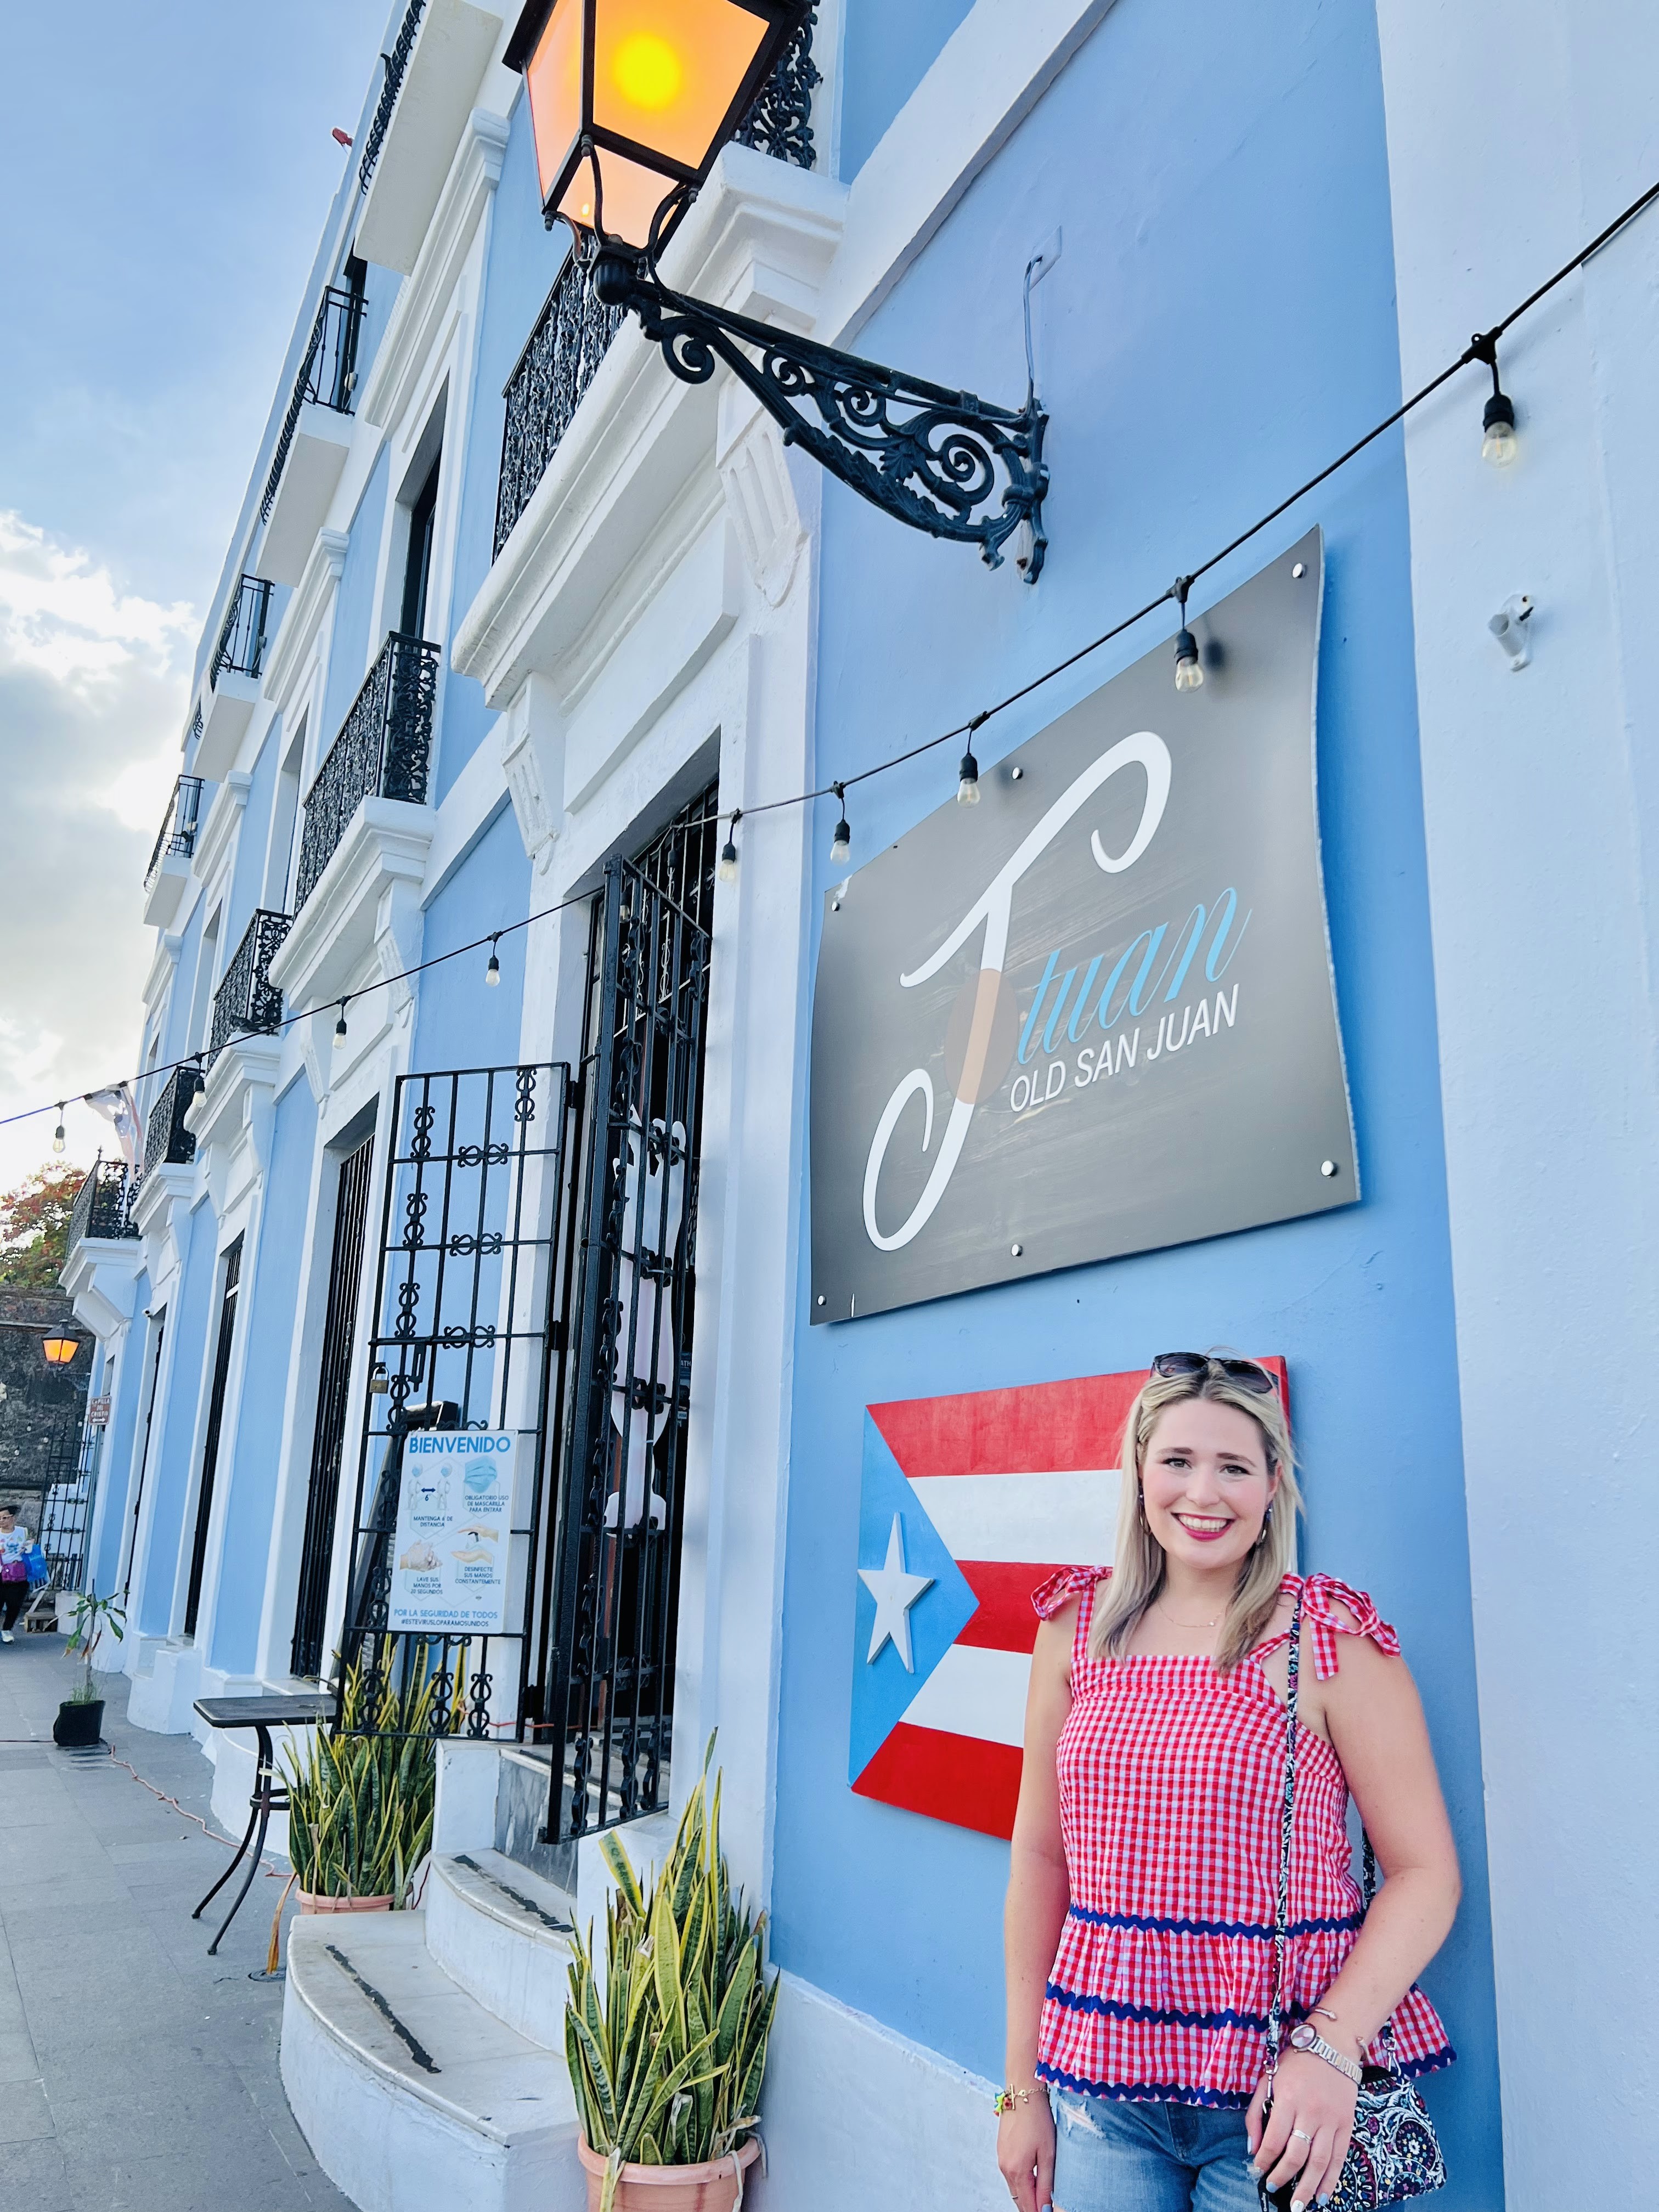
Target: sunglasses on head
column 1248, row 1373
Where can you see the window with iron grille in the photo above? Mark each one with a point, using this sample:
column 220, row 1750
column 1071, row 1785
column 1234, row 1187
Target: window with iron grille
column 233, row 1276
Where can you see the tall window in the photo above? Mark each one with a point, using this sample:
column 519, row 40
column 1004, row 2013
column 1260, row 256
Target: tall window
column 417, row 564
column 216, row 1416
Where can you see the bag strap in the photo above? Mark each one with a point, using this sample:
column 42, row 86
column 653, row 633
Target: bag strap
column 1282, row 1896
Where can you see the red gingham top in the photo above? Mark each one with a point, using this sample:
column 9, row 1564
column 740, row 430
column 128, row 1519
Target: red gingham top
column 1171, row 1797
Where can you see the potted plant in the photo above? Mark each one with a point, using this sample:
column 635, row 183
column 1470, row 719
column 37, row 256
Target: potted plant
column 667, row 2047
column 79, row 1719
column 361, row 1798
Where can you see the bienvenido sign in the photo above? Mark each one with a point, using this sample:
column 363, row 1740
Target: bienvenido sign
column 1094, row 1014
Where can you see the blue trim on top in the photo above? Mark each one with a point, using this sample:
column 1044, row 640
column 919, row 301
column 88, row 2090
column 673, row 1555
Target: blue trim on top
column 1148, row 2092
column 1156, row 2015
column 1152, row 1923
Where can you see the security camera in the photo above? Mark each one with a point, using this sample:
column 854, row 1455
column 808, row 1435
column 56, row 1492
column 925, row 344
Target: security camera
column 1508, row 626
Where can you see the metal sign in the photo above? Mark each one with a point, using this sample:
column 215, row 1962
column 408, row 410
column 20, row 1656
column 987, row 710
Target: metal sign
column 454, row 1520
column 1093, row 1014
column 98, row 1412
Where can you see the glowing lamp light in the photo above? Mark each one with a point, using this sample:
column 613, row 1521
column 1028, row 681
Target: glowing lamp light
column 630, row 100
column 60, row 1350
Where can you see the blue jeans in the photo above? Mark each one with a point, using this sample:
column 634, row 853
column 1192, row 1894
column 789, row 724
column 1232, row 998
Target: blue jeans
column 1110, row 2157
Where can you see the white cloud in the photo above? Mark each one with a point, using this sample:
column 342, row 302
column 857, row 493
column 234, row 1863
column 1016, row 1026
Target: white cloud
column 94, row 684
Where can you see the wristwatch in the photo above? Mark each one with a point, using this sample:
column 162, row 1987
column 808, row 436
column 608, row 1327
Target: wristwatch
column 1306, row 2036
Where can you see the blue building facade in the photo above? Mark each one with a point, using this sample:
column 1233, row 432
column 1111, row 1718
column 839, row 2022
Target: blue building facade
column 532, row 608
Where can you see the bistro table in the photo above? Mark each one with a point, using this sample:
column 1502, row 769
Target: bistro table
column 273, row 1710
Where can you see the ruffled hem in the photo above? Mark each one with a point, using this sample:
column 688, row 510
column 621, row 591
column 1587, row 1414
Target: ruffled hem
column 1125, row 2092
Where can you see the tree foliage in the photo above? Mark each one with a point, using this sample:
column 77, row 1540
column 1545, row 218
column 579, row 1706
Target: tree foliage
column 34, row 1221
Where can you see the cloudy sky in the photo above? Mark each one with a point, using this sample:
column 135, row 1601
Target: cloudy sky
column 166, row 171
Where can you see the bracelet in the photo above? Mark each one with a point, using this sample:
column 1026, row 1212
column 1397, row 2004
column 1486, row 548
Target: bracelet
column 1006, row 2100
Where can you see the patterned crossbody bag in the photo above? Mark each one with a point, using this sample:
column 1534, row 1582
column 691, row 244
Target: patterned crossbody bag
column 1393, row 2153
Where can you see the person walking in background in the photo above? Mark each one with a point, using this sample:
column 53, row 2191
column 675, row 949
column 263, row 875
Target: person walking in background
column 15, row 1544
column 1153, row 1827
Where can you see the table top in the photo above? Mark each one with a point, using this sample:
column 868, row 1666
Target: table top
column 271, row 1710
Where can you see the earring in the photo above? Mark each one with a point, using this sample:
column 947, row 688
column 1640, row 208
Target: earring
column 1266, row 1524
column 1140, row 1506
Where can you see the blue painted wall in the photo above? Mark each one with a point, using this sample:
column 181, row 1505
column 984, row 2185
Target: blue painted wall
column 461, row 1022
column 351, row 646
column 1220, row 323
column 250, row 1509
column 887, row 51
column 522, row 261
column 170, row 1465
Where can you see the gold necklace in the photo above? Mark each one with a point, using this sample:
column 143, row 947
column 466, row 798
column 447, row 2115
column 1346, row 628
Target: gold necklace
column 1191, row 1627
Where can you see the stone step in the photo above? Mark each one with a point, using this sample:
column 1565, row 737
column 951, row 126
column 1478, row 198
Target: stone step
column 412, row 2096
column 502, row 1934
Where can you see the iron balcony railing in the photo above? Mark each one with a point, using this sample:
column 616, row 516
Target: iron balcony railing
column 103, row 1205
column 168, row 1143
column 574, row 331
column 247, row 1002
column 396, row 63
column 241, row 647
column 176, row 838
column 384, row 750
column 327, row 378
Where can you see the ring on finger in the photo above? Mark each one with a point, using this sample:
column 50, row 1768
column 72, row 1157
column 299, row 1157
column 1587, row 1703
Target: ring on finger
column 1300, row 2134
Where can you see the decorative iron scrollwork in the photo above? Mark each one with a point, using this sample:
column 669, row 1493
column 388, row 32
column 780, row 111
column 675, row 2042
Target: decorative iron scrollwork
column 780, row 121
column 384, row 750
column 945, row 462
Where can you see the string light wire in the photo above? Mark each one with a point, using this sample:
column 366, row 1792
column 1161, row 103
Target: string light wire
column 1480, row 348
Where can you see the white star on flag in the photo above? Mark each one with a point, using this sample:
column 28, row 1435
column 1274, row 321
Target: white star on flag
column 894, row 1592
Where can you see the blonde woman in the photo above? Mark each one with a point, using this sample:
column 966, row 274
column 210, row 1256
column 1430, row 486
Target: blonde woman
column 1145, row 1869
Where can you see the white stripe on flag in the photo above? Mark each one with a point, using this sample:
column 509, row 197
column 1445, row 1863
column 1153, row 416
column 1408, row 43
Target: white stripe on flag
column 1068, row 1518
column 975, row 1691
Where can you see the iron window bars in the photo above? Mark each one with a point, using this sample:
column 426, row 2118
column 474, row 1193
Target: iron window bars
column 474, row 1255
column 396, row 63
column 176, row 838
column 248, row 1001
column 384, row 750
column 241, row 647
column 168, row 1142
column 103, row 1203
column 327, row 378
column 615, row 1565
column 575, row 329
column 66, row 1515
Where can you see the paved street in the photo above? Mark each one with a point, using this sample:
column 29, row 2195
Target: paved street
column 137, row 2073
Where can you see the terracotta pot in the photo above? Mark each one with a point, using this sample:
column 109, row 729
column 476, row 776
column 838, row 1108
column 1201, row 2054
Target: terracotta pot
column 710, row 2188
column 310, row 1903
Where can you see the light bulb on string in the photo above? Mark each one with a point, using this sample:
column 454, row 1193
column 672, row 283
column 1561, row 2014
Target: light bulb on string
column 1188, row 668
column 1498, row 441
column 57, row 1137
column 493, row 971
column 340, row 1026
column 968, row 772
column 841, row 846
column 726, row 869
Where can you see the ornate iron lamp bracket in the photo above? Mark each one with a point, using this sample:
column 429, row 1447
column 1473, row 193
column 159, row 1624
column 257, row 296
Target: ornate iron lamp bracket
column 945, row 462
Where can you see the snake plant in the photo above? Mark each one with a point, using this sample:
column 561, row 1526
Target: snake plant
column 667, row 2050
column 361, row 1799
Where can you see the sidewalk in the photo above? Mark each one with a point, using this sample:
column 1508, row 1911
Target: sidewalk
column 137, row 2073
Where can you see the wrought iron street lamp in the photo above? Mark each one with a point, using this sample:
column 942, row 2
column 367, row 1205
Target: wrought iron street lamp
column 631, row 101
column 59, row 1350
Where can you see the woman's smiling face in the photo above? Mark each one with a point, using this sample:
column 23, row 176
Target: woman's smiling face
column 1206, row 1484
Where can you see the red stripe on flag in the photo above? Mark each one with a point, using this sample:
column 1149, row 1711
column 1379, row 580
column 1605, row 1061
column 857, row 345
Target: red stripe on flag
column 1005, row 1621
column 1037, row 1428
column 948, row 1777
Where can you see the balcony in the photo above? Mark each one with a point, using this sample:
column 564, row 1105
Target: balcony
column 233, row 677
column 314, row 439
column 103, row 1203
column 574, row 332
column 384, row 750
column 247, row 1003
column 368, row 829
column 169, row 863
column 168, row 1142
column 433, row 75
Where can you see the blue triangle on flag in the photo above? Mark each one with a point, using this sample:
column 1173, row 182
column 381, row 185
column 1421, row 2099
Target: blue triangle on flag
column 882, row 1687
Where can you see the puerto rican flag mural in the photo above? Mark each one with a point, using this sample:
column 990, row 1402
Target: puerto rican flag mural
column 968, row 1503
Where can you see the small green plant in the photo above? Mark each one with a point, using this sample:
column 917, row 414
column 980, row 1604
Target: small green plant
column 92, row 1615
column 666, row 2057
column 361, row 1798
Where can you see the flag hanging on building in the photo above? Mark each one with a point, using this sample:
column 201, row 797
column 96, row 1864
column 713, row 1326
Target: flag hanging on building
column 968, row 1503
